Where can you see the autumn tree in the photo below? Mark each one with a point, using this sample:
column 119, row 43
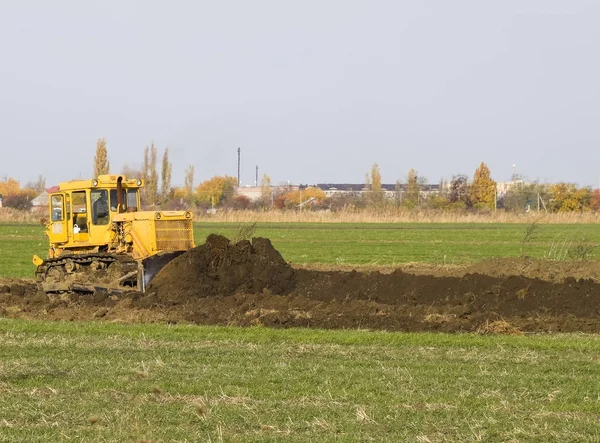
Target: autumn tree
column 266, row 193
column 188, row 181
column 595, row 200
column 412, row 191
column 459, row 195
column 483, row 188
column 567, row 197
column 375, row 178
column 215, row 190
column 101, row 163
column 13, row 196
column 165, row 175
column 241, row 202
column 9, row 186
column 376, row 195
column 298, row 196
column 150, row 191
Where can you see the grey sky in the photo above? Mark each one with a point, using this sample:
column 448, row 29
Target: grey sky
column 312, row 91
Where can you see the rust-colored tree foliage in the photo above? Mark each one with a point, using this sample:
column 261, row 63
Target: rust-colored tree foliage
column 595, row 200
column 483, row 188
column 215, row 190
column 101, row 163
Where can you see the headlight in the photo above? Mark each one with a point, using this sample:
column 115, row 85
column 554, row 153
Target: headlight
column 138, row 182
column 94, row 183
column 188, row 215
column 158, row 215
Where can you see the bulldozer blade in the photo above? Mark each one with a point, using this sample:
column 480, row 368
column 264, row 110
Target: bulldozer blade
column 81, row 288
column 152, row 265
column 55, row 287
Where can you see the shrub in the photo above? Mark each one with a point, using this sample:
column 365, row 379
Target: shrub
column 21, row 202
column 241, row 202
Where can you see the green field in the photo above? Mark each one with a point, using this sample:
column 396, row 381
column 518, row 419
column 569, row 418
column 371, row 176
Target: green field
column 346, row 243
column 110, row 382
column 389, row 244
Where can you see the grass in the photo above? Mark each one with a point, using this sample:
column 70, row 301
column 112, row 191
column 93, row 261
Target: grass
column 114, row 382
column 18, row 243
column 111, row 382
column 355, row 243
column 395, row 243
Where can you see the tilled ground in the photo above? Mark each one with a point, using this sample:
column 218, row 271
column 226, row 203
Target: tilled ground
column 249, row 283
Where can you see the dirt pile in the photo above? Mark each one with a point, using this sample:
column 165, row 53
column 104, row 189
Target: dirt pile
column 249, row 283
column 402, row 301
column 220, row 268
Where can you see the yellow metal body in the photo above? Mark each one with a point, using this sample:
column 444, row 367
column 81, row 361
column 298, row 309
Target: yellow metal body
column 87, row 216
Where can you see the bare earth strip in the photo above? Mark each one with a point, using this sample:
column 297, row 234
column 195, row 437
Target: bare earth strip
column 248, row 283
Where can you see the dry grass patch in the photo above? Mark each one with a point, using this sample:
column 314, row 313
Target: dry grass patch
column 498, row 327
column 439, row 318
column 393, row 215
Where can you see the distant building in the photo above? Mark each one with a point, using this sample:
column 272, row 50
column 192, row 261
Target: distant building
column 40, row 203
column 389, row 191
column 503, row 187
column 41, row 200
column 254, row 193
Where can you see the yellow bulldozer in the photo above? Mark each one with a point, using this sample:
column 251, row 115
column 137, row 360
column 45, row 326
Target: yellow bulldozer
column 100, row 239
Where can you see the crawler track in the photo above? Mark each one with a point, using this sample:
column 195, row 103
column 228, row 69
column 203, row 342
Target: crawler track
column 89, row 273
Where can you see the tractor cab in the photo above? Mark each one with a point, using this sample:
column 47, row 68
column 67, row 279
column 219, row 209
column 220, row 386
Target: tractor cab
column 82, row 211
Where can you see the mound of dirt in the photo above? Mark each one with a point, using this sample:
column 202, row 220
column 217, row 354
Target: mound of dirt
column 220, row 268
column 249, row 283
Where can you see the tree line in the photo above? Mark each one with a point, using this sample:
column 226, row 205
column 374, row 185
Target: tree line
column 478, row 194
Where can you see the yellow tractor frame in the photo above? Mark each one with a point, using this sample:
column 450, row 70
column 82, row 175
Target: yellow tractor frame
column 102, row 216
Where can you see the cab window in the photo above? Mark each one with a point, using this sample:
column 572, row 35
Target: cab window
column 99, row 198
column 129, row 200
column 57, row 208
column 79, row 207
column 132, row 199
column 113, row 200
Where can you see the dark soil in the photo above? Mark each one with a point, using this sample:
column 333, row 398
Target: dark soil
column 249, row 283
column 219, row 268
